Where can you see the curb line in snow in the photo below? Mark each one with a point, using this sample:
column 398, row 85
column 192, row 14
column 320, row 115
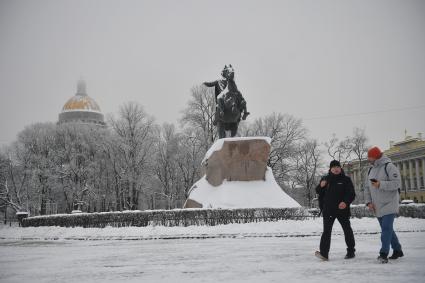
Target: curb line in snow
column 193, row 237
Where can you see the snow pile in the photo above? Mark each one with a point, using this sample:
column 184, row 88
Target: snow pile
column 241, row 194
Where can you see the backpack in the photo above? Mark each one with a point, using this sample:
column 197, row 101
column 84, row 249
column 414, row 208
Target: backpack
column 385, row 168
column 386, row 172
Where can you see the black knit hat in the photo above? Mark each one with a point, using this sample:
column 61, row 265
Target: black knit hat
column 335, row 163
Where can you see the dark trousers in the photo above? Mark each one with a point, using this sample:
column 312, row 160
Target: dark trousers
column 325, row 241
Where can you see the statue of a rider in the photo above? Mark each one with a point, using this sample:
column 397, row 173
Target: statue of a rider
column 230, row 103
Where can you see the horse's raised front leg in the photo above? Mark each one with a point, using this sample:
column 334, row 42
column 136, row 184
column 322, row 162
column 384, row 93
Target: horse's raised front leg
column 233, row 129
column 221, row 130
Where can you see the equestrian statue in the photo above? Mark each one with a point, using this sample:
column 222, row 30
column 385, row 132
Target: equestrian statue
column 230, row 104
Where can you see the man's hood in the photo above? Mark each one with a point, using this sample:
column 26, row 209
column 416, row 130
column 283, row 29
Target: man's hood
column 381, row 161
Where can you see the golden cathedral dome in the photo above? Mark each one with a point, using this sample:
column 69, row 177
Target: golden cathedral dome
column 81, row 108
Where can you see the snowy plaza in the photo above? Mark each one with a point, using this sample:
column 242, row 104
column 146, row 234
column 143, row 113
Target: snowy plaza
column 212, row 141
column 256, row 252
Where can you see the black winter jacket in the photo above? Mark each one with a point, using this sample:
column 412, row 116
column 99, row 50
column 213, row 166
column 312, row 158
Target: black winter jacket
column 339, row 189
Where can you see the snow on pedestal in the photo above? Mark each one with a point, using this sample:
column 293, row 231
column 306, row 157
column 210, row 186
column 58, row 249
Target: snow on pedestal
column 237, row 176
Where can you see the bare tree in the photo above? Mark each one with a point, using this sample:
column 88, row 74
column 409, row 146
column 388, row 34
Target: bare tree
column 166, row 166
column 36, row 142
column 340, row 150
column 177, row 164
column 84, row 169
column 199, row 115
column 191, row 153
column 307, row 164
column 11, row 192
column 111, row 147
column 359, row 146
column 135, row 129
column 286, row 132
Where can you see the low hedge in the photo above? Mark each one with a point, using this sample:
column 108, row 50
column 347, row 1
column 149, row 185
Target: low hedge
column 177, row 217
column 411, row 210
column 187, row 217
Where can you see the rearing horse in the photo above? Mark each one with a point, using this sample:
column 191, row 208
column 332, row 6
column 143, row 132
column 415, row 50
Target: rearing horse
column 230, row 106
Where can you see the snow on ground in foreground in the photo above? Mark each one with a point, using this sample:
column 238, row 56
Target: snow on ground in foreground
column 242, row 194
column 309, row 227
column 209, row 260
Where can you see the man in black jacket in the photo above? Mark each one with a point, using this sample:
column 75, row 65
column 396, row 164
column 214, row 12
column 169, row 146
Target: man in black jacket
column 336, row 193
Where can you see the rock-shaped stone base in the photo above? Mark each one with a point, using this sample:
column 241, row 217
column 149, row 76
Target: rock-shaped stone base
column 237, row 176
column 190, row 203
column 237, row 159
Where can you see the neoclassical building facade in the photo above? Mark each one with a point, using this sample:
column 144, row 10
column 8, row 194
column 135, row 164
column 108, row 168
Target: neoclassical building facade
column 409, row 157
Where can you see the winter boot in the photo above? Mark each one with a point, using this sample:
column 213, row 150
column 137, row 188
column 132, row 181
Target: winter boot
column 397, row 254
column 322, row 257
column 383, row 258
column 350, row 255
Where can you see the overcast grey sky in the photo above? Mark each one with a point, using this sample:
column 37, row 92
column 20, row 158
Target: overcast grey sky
column 311, row 59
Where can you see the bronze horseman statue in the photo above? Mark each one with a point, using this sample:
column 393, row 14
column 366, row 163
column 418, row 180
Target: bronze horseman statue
column 230, row 104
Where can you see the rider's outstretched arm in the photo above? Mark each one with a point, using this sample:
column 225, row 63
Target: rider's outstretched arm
column 210, row 84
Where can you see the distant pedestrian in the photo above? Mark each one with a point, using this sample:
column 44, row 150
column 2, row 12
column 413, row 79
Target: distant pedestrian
column 336, row 193
column 382, row 196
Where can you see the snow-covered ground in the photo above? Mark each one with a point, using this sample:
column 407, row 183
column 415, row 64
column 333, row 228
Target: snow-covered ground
column 256, row 252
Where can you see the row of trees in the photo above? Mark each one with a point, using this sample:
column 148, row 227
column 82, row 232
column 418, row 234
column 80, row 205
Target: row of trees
column 134, row 163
